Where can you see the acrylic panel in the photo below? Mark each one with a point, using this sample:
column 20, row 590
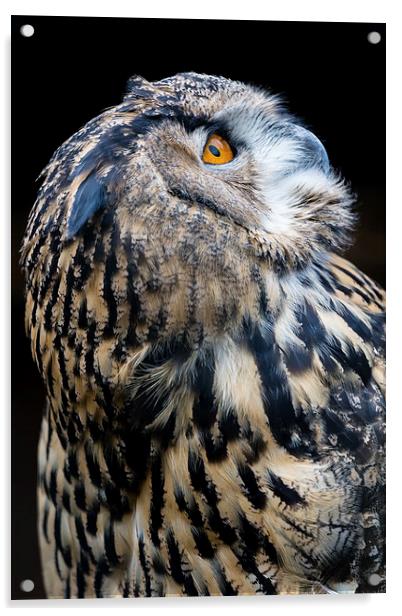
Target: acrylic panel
column 198, row 229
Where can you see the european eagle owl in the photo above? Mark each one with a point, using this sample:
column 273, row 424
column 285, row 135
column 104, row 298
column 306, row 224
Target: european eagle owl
column 214, row 370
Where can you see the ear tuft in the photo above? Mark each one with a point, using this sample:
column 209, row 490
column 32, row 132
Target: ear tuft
column 138, row 87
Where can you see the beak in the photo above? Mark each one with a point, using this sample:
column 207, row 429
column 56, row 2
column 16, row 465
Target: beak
column 313, row 152
column 309, row 151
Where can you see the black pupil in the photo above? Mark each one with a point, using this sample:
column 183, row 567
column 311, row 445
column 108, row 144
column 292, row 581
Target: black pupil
column 214, row 150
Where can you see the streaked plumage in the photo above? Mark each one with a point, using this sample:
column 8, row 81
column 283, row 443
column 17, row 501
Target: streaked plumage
column 214, row 370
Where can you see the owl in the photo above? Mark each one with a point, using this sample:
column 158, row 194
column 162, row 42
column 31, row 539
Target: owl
column 214, row 369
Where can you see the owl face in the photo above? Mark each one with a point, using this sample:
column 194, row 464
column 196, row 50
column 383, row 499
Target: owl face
column 247, row 160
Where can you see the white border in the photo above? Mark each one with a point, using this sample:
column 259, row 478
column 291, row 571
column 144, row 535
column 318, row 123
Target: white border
column 297, row 10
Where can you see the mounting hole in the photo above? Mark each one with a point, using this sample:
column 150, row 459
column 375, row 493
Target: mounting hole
column 27, row 585
column 27, row 30
column 374, row 38
column 374, row 579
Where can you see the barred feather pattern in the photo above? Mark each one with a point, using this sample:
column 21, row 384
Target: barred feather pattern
column 215, row 413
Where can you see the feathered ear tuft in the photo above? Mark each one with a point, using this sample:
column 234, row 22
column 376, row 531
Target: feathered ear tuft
column 90, row 196
column 138, row 87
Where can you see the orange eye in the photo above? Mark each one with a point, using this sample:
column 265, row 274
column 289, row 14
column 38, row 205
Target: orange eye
column 217, row 151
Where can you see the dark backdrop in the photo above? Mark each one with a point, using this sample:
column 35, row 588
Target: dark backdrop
column 72, row 68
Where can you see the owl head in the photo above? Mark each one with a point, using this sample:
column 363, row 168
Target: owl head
column 210, row 144
column 192, row 182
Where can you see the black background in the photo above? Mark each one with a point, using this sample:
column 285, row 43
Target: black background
column 72, row 68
